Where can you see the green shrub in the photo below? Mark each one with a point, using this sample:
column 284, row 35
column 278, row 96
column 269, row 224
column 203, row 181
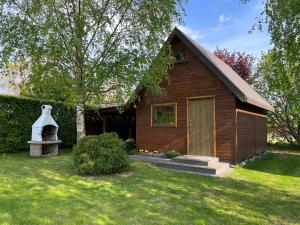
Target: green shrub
column 17, row 114
column 172, row 154
column 103, row 154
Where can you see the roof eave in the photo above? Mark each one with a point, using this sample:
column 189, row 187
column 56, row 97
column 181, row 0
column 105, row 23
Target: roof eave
column 259, row 104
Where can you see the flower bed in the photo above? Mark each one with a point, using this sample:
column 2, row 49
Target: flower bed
column 157, row 154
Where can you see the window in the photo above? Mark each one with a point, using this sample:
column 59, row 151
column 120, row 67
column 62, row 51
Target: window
column 164, row 115
column 180, row 56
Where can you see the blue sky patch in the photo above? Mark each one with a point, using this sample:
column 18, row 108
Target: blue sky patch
column 226, row 24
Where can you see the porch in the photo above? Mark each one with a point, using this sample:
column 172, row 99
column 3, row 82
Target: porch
column 111, row 120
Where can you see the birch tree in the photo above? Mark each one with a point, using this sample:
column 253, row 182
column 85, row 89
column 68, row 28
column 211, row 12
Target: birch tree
column 96, row 47
column 278, row 72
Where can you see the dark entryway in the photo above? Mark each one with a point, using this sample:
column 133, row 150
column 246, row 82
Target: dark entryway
column 110, row 120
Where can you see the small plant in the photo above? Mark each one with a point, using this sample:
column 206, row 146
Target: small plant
column 133, row 151
column 130, row 145
column 172, row 154
column 103, row 154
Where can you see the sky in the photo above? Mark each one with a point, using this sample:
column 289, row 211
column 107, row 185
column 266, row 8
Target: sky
column 225, row 24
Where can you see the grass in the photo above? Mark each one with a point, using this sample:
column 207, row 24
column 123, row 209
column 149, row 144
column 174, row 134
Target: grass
column 283, row 146
column 47, row 191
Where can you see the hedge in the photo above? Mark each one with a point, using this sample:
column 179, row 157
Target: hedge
column 17, row 114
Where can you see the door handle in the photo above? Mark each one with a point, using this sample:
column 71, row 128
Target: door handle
column 190, row 126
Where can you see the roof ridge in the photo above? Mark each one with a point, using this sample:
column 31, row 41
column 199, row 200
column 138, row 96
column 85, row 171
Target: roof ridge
column 244, row 91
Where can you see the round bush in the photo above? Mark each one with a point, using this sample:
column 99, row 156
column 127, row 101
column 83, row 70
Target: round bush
column 103, row 154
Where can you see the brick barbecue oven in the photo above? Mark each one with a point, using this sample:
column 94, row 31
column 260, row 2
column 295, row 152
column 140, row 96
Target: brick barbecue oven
column 44, row 141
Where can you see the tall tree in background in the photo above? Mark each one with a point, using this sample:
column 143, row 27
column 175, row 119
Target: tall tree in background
column 279, row 69
column 240, row 62
column 283, row 91
column 94, row 47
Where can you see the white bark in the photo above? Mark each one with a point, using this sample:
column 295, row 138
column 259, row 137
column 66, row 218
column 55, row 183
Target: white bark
column 80, row 121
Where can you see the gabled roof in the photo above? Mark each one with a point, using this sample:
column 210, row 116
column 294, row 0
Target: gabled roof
column 240, row 88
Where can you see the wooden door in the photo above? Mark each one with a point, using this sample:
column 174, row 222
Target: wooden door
column 201, row 128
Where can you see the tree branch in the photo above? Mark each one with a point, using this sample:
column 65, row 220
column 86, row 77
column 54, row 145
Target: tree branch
column 37, row 24
column 113, row 33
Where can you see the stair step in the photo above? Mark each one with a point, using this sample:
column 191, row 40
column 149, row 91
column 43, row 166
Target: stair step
column 218, row 168
column 223, row 169
column 187, row 167
column 196, row 160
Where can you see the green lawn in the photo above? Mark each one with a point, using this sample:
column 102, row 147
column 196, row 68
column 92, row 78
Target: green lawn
column 47, row 191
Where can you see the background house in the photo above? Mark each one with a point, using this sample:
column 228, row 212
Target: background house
column 12, row 76
column 6, row 88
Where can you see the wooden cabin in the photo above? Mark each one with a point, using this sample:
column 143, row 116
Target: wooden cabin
column 208, row 109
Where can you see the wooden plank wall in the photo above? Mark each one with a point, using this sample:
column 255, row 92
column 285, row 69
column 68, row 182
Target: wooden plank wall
column 188, row 79
column 260, row 134
column 251, row 134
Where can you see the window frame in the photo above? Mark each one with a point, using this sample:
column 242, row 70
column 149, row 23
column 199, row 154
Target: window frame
column 184, row 52
column 174, row 104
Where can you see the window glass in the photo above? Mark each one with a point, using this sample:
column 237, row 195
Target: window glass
column 164, row 115
column 179, row 55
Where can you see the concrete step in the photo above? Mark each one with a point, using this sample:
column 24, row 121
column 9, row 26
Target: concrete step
column 196, row 160
column 223, row 169
column 218, row 168
column 187, row 167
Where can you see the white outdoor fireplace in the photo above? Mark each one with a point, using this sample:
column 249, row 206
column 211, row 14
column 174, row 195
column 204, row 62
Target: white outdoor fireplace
column 44, row 141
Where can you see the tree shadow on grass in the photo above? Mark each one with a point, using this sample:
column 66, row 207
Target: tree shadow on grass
column 47, row 191
column 285, row 163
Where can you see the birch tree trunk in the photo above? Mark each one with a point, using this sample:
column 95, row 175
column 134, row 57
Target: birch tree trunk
column 80, row 121
column 79, row 61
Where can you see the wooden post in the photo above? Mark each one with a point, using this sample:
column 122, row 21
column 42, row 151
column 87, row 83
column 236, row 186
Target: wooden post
column 104, row 125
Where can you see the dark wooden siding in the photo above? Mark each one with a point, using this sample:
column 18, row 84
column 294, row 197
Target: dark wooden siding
column 260, row 134
column 250, row 108
column 245, row 136
column 188, row 79
column 251, row 135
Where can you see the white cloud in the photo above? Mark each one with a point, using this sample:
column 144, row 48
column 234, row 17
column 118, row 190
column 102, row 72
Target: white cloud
column 223, row 22
column 193, row 33
column 231, row 31
column 217, row 28
column 251, row 44
column 224, row 19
